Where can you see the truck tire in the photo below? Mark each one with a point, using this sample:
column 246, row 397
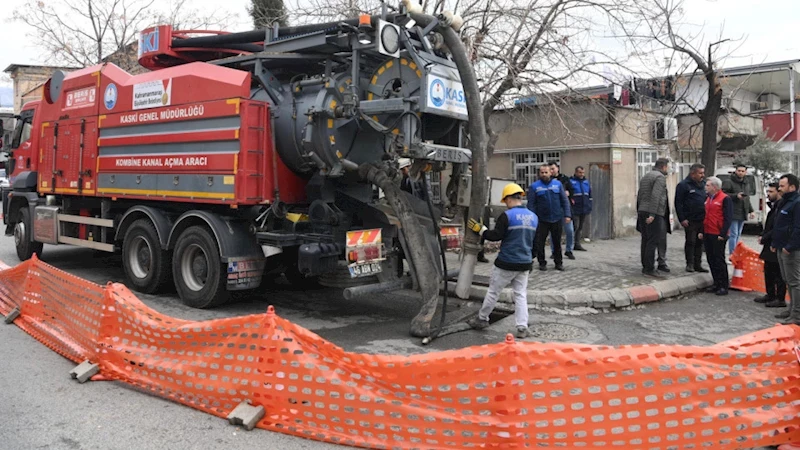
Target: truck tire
column 146, row 265
column 199, row 276
column 22, row 237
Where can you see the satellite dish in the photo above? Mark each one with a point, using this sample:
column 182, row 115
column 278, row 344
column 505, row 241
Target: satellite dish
column 54, row 86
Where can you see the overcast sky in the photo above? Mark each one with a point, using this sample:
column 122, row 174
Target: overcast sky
column 769, row 28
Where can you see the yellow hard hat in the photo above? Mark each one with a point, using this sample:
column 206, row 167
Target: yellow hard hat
column 511, row 189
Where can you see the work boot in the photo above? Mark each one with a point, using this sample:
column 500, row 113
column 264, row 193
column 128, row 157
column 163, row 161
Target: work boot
column 579, row 248
column 782, row 314
column 791, row 320
column 700, row 269
column 777, row 303
column 711, row 289
column 559, row 267
column 689, row 269
column 664, row 269
column 523, row 332
column 482, row 258
column 762, row 299
column 542, row 267
column 477, row 323
column 722, row 291
column 569, row 255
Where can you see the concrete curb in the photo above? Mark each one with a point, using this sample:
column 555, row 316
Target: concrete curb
column 603, row 299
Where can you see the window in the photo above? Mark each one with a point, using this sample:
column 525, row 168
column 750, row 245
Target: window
column 687, row 159
column 527, row 164
column 645, row 160
column 795, row 166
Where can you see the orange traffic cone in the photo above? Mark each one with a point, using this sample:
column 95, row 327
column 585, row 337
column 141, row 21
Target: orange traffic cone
column 738, row 281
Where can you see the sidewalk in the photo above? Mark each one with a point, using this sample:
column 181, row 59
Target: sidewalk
column 608, row 275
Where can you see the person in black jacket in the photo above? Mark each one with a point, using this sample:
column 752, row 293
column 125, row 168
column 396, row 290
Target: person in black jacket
column 566, row 226
column 690, row 199
column 775, row 286
column 786, row 242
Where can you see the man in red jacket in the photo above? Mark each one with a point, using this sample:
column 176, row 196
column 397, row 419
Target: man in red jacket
column 716, row 226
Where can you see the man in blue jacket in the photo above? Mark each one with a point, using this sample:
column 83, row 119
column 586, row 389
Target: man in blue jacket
column 547, row 198
column 516, row 227
column 690, row 200
column 581, row 203
column 786, row 242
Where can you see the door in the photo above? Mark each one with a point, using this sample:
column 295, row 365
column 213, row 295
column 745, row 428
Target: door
column 600, row 219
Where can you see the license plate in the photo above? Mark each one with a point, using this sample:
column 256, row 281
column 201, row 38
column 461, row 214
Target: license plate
column 363, row 270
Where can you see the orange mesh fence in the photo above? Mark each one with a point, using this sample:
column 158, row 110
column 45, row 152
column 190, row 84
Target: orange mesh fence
column 738, row 394
column 748, row 270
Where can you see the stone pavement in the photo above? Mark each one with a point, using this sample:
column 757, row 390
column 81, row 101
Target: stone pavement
column 608, row 275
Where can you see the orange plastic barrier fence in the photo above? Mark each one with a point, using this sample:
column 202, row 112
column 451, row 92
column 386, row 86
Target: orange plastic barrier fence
column 748, row 270
column 738, row 394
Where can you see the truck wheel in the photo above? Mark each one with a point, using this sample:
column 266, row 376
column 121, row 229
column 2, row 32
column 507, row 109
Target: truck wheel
column 146, row 264
column 22, row 237
column 197, row 270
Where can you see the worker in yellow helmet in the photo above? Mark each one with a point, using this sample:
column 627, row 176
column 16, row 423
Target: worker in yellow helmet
column 516, row 228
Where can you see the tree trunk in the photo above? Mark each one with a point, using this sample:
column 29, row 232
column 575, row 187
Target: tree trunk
column 710, row 119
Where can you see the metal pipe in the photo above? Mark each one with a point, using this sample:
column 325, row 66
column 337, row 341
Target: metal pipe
column 791, row 103
column 249, row 37
column 375, row 288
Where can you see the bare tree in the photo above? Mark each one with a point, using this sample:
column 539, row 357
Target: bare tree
column 657, row 28
column 267, row 12
column 84, row 32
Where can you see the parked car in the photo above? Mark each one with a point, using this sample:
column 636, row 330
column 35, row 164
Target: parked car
column 755, row 189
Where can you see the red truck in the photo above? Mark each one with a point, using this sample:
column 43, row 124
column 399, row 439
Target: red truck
column 234, row 158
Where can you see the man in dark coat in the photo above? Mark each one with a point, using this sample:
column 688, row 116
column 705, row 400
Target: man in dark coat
column 776, row 287
column 786, row 242
column 690, row 204
column 736, row 188
column 651, row 206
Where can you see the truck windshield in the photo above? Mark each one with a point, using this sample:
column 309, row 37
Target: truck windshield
column 749, row 183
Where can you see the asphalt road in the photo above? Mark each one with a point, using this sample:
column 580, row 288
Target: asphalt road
column 42, row 408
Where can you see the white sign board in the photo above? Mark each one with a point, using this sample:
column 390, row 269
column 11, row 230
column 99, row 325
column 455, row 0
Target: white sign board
column 152, row 94
column 446, row 95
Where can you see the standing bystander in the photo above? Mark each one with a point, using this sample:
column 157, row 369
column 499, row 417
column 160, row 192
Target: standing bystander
column 567, row 226
column 581, row 204
column 786, row 243
column 690, row 203
column 773, row 280
column 548, row 200
column 516, row 227
column 736, row 188
column 716, row 226
column 651, row 202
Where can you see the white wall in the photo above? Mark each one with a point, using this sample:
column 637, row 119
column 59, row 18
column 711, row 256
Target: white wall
column 694, row 92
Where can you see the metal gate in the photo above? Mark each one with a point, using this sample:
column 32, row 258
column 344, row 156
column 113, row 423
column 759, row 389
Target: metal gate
column 600, row 179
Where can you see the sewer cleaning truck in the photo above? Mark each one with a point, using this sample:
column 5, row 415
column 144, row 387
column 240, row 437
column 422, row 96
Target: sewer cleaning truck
column 239, row 157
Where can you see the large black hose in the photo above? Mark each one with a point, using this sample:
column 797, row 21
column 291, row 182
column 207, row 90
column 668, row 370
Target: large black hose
column 435, row 333
column 425, row 268
column 477, row 143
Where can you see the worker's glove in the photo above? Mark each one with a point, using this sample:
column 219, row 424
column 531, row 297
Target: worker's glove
column 476, row 226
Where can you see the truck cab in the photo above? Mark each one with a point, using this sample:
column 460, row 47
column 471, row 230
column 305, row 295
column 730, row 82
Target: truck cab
column 21, row 158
